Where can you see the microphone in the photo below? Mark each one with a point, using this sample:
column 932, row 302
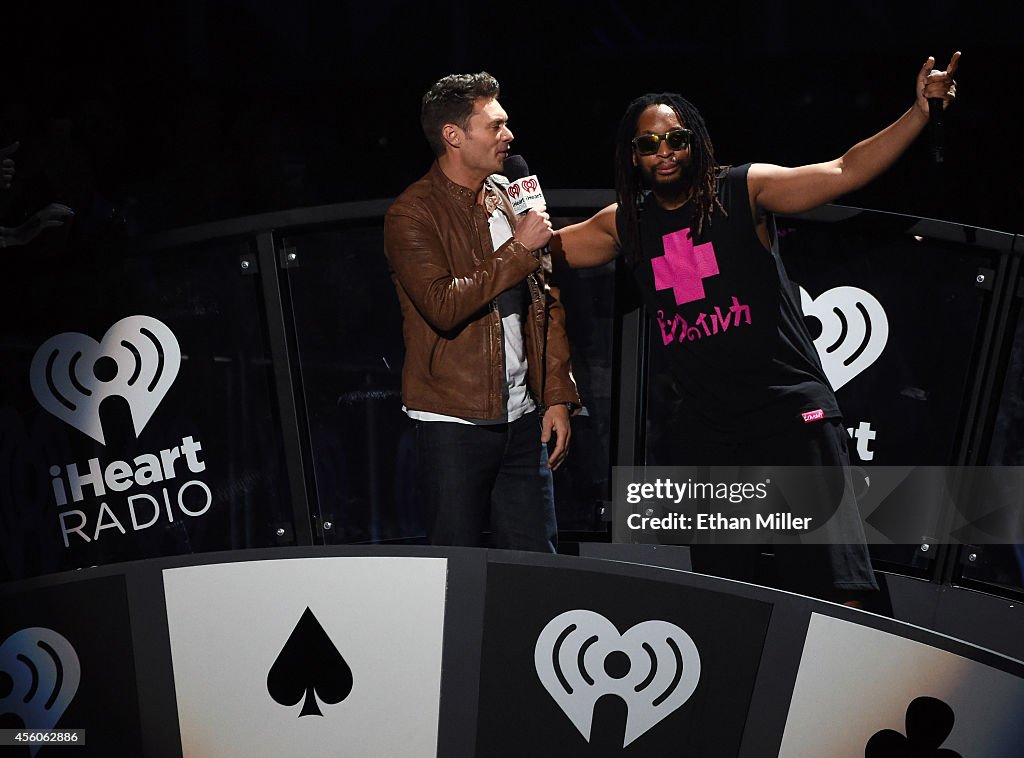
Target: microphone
column 515, row 168
column 524, row 193
column 936, row 126
column 524, row 189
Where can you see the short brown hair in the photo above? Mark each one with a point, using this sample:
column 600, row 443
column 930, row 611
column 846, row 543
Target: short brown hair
column 450, row 101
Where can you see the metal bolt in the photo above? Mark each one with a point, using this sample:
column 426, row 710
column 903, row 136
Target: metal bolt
column 980, row 279
column 925, row 547
column 649, row 512
column 972, row 557
column 279, row 532
column 328, row 526
column 245, row 265
column 290, row 257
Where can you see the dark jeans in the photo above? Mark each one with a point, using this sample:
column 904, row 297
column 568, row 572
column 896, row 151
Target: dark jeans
column 471, row 475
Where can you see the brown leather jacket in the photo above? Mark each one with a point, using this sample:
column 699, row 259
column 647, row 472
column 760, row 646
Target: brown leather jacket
column 438, row 244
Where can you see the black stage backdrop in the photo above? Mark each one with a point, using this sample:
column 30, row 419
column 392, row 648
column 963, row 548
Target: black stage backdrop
column 153, row 116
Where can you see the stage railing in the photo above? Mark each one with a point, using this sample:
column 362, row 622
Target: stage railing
column 237, row 384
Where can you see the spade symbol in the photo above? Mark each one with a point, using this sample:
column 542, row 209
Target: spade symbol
column 309, row 666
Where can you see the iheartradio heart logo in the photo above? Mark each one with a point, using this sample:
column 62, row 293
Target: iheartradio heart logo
column 580, row 657
column 137, row 359
column 854, row 331
column 513, row 190
column 43, row 673
column 530, row 185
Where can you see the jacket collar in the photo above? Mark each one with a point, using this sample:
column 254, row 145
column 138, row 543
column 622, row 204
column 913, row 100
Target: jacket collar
column 463, row 195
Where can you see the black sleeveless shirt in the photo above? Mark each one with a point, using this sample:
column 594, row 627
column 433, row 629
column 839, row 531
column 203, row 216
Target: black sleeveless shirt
column 728, row 321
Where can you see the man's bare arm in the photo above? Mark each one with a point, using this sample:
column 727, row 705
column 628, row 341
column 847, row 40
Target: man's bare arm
column 794, row 190
column 589, row 243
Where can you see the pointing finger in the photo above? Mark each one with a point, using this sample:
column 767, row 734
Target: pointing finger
column 922, row 75
column 953, row 63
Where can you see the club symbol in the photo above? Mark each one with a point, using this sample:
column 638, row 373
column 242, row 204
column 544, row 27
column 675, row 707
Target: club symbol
column 309, row 667
column 854, row 331
column 43, row 672
column 580, row 657
column 929, row 722
column 72, row 374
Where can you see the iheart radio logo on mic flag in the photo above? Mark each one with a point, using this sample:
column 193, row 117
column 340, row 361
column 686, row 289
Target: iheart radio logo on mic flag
column 526, row 193
column 137, row 359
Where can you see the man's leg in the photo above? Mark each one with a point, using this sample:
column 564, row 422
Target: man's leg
column 840, row 571
column 523, row 502
column 457, row 465
column 729, row 561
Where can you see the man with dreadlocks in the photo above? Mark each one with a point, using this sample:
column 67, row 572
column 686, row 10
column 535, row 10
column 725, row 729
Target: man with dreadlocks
column 699, row 239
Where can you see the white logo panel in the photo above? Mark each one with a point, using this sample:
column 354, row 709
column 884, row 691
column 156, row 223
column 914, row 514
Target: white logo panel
column 72, row 374
column 854, row 331
column 44, row 671
column 243, row 634
column 841, row 700
column 580, row 657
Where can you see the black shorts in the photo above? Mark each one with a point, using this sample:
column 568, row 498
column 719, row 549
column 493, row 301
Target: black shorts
column 823, row 570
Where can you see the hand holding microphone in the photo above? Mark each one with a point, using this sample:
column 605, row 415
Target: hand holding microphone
column 533, row 227
column 938, row 88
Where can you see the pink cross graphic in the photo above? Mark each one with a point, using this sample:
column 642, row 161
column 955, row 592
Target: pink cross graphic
column 683, row 267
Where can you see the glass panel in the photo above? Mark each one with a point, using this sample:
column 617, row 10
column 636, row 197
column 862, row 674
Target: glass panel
column 903, row 408
column 583, row 480
column 349, row 331
column 152, row 429
column 1002, row 566
column 998, row 568
column 350, row 351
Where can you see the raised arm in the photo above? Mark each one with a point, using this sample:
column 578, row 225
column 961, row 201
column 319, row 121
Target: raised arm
column 589, row 243
column 47, row 217
column 794, row 190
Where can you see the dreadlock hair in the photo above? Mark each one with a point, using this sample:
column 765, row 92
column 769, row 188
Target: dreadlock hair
column 450, row 101
column 703, row 171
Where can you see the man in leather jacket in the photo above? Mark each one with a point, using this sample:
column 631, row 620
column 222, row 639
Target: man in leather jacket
column 487, row 375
